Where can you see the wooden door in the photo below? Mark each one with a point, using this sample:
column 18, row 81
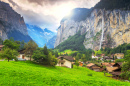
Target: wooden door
column 22, row 56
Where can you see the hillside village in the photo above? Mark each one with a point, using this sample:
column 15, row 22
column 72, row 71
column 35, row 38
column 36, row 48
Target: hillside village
column 109, row 67
column 111, row 64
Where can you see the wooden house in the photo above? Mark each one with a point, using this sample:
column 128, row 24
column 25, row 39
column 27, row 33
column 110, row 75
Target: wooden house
column 116, row 73
column 95, row 67
column 119, row 55
column 118, row 64
column 80, row 63
column 107, row 58
column 89, row 65
column 94, row 57
column 65, row 61
column 102, row 55
column 111, row 69
column 22, row 55
column 107, row 64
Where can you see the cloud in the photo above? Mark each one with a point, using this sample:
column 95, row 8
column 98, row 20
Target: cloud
column 47, row 13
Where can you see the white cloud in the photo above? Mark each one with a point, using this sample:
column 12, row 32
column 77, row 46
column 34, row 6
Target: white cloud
column 47, row 13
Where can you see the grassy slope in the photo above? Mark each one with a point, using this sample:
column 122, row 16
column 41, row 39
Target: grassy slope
column 98, row 52
column 29, row 74
column 69, row 51
column 74, row 43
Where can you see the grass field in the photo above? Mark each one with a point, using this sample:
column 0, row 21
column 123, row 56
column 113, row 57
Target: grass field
column 69, row 51
column 30, row 74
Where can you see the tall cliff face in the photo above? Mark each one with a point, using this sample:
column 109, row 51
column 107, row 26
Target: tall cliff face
column 12, row 24
column 103, row 28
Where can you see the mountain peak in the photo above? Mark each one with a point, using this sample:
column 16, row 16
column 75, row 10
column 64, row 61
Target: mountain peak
column 39, row 35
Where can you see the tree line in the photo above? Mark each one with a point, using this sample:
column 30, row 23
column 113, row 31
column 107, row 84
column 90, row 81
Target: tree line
column 31, row 50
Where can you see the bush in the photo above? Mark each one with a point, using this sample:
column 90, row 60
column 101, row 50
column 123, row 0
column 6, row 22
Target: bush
column 84, row 65
column 90, row 74
column 53, row 61
column 45, row 58
column 119, row 60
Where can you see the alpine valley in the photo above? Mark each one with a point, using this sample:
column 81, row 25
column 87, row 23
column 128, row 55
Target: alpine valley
column 41, row 36
column 12, row 25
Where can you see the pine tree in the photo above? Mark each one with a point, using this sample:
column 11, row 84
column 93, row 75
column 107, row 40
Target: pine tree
column 45, row 50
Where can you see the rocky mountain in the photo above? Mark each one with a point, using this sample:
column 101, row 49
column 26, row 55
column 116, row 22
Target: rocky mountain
column 12, row 24
column 103, row 26
column 51, row 42
column 40, row 36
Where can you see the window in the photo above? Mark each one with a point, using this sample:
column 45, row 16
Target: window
column 61, row 58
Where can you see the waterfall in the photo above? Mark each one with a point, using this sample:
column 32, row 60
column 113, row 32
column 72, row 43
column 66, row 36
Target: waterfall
column 102, row 30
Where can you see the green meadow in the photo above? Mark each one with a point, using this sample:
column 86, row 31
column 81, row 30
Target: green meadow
column 69, row 51
column 30, row 74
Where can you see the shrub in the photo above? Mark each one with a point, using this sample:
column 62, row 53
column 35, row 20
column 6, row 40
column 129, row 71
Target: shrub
column 84, row 65
column 119, row 60
column 90, row 74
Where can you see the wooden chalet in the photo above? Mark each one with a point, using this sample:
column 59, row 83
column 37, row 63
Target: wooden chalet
column 116, row 73
column 80, row 63
column 22, row 55
column 107, row 58
column 102, row 55
column 107, row 64
column 65, row 61
column 89, row 65
column 119, row 55
column 118, row 64
column 111, row 69
column 95, row 67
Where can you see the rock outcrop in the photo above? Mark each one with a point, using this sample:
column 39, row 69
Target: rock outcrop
column 103, row 28
column 12, row 24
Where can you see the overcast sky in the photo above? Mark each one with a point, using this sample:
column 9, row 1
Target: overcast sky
column 47, row 13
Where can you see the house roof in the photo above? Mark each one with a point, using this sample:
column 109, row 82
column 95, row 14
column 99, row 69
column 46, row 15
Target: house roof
column 96, row 67
column 111, row 69
column 90, row 64
column 70, row 58
column 21, row 51
column 104, row 64
column 1, row 46
column 112, row 63
column 116, row 73
column 106, row 57
column 107, row 64
column 119, row 63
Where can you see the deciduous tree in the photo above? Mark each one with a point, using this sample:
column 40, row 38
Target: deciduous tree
column 9, row 54
column 77, row 63
column 11, row 44
column 84, row 58
column 30, row 47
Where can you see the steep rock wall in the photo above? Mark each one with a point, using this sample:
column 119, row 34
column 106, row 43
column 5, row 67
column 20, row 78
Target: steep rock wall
column 10, row 22
column 104, row 28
